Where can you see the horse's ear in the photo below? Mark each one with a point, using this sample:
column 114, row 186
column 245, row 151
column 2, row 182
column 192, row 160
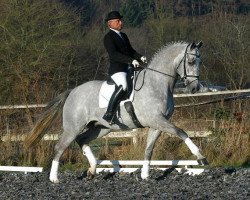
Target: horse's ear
column 193, row 45
column 199, row 44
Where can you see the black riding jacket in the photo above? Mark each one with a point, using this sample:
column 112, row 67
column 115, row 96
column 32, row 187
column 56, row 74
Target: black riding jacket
column 120, row 52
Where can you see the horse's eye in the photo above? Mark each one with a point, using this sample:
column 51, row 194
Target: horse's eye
column 191, row 61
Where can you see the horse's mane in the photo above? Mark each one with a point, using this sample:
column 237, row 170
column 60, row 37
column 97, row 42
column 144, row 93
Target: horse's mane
column 169, row 45
column 166, row 47
column 174, row 43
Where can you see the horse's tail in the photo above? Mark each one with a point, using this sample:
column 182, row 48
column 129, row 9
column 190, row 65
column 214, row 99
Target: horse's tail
column 51, row 113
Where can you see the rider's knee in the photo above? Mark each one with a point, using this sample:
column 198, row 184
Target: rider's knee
column 124, row 86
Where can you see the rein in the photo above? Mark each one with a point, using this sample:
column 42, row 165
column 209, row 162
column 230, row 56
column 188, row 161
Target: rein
column 154, row 70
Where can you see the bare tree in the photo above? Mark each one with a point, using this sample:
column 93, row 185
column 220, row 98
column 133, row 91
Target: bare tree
column 37, row 50
column 38, row 40
column 228, row 38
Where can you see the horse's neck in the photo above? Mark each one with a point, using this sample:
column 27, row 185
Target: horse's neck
column 160, row 82
column 162, row 76
column 164, row 66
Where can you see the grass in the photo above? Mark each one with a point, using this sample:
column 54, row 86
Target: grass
column 229, row 145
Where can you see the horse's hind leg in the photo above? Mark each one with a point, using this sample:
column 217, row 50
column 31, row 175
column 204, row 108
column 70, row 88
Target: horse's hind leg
column 151, row 139
column 83, row 141
column 63, row 143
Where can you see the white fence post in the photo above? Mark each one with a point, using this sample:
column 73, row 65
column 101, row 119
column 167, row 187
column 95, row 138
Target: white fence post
column 7, row 125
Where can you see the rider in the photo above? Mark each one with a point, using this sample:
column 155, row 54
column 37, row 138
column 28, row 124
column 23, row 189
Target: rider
column 121, row 56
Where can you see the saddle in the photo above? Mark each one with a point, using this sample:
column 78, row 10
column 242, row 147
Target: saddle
column 108, row 88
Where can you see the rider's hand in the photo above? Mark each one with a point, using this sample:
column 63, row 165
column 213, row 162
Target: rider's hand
column 135, row 63
column 144, row 59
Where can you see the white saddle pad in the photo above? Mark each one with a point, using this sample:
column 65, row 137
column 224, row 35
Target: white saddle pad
column 106, row 92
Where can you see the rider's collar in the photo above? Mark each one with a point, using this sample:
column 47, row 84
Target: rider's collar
column 118, row 32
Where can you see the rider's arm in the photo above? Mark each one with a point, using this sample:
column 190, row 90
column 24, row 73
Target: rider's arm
column 134, row 53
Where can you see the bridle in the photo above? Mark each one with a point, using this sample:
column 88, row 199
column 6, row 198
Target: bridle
column 184, row 64
column 185, row 76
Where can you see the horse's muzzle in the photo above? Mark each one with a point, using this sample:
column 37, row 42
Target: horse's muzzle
column 193, row 86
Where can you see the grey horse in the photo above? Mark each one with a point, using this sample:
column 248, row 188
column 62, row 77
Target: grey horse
column 153, row 106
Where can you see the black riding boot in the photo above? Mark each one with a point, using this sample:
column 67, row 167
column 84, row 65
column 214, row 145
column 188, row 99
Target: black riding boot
column 113, row 103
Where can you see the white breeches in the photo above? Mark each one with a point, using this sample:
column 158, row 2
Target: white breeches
column 120, row 78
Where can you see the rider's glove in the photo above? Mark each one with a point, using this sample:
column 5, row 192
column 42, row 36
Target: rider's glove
column 135, row 63
column 144, row 59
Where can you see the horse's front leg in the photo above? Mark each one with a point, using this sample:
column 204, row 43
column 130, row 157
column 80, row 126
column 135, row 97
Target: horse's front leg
column 151, row 139
column 166, row 126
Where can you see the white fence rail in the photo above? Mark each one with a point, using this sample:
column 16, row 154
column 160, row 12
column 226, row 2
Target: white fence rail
column 116, row 165
column 213, row 93
column 21, row 169
column 195, row 125
column 134, row 134
column 175, row 95
column 51, row 137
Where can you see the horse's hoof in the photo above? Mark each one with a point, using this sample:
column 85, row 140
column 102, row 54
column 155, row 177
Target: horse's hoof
column 203, row 161
column 144, row 174
column 144, row 177
column 90, row 176
column 54, row 180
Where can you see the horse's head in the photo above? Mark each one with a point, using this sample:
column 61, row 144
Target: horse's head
column 188, row 67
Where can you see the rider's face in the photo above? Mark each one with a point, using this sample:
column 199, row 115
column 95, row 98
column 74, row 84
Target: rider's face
column 115, row 24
